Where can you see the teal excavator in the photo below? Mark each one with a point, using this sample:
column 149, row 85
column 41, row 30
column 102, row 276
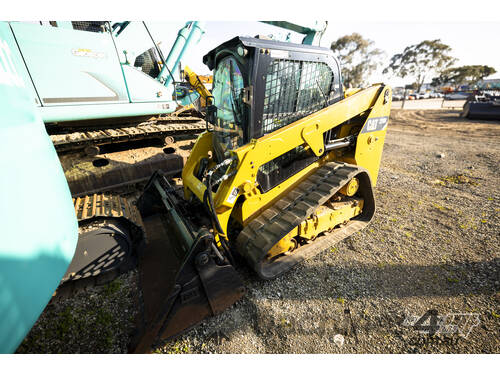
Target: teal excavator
column 70, row 91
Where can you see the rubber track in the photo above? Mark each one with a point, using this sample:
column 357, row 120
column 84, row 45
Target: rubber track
column 267, row 229
column 96, row 210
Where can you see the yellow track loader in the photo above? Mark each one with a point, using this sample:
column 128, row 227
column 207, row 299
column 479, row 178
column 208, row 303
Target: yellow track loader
column 285, row 170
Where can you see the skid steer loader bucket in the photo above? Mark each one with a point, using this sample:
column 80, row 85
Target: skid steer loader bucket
column 182, row 275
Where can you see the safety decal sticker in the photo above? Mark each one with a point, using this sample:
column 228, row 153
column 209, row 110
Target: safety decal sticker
column 234, row 194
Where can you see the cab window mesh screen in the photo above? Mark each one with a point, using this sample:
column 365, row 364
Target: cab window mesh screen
column 294, row 89
column 92, row 26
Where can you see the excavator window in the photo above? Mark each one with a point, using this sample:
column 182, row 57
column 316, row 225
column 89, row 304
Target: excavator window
column 227, row 92
column 136, row 48
column 148, row 62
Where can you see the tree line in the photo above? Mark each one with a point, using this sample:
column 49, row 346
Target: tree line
column 359, row 58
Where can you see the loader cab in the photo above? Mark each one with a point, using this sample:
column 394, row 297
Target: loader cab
column 262, row 85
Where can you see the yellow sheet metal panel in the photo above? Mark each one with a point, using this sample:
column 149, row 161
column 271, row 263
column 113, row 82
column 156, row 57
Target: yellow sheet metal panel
column 258, row 152
column 372, row 136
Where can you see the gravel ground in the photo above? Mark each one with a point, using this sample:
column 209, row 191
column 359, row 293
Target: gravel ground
column 433, row 245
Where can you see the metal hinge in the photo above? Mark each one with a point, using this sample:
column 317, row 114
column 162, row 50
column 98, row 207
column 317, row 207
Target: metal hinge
column 248, row 95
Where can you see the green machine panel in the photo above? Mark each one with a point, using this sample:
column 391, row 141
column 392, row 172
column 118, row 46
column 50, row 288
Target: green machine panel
column 38, row 226
column 84, row 64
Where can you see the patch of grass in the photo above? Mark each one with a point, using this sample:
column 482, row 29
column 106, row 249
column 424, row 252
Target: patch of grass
column 65, row 322
column 179, row 347
column 438, row 182
column 468, row 223
column 459, row 179
column 103, row 317
column 103, row 327
column 439, row 207
column 113, row 287
column 452, row 279
column 341, row 300
column 285, row 322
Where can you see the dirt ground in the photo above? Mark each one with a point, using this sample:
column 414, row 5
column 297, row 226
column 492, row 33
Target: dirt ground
column 433, row 247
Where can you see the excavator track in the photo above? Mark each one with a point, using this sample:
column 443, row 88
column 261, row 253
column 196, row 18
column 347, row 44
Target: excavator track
column 105, row 221
column 162, row 127
column 267, row 229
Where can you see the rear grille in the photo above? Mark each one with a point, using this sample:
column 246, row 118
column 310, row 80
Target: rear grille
column 294, row 90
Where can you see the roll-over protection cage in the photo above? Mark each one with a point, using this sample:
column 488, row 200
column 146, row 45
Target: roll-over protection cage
column 283, row 83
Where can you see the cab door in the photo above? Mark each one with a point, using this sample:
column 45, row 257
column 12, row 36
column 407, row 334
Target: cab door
column 141, row 62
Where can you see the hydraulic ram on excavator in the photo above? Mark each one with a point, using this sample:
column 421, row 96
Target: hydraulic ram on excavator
column 287, row 171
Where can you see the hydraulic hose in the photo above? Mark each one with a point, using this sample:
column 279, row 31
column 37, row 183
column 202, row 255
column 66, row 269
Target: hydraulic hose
column 208, row 198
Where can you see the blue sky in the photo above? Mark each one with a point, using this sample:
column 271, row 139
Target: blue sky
column 471, row 43
column 470, row 28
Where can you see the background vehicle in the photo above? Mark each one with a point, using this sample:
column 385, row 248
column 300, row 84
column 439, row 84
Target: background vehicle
column 483, row 106
column 456, row 96
column 434, row 95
